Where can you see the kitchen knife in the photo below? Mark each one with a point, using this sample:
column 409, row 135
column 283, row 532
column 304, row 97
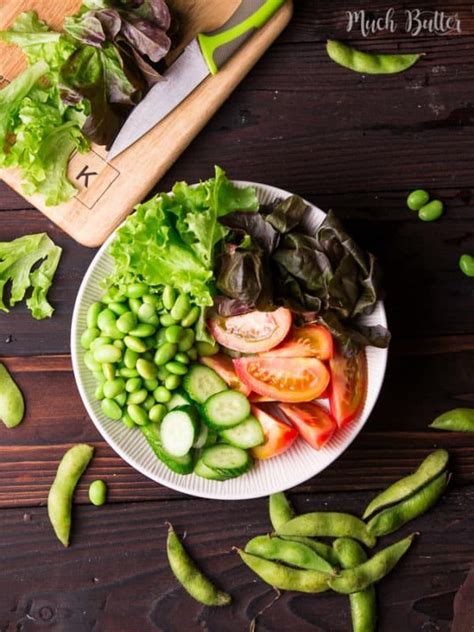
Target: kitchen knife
column 204, row 56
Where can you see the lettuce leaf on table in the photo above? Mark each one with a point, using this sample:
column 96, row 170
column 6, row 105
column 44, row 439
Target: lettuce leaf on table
column 29, row 262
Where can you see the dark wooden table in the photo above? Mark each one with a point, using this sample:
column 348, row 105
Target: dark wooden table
column 354, row 143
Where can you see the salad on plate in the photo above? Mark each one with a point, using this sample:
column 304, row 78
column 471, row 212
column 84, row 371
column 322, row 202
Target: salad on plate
column 229, row 329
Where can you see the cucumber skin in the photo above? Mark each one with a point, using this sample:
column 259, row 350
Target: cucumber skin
column 187, row 383
column 155, row 444
column 182, row 394
column 230, row 472
column 214, row 476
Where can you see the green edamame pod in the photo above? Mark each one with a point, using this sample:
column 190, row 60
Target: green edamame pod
column 360, row 577
column 284, row 577
column 369, row 63
column 169, row 297
column 70, row 470
column 431, row 211
column 363, row 603
column 328, row 524
column 191, row 317
column 287, row 551
column 181, row 307
column 98, row 492
column 429, row 469
column 12, row 404
column 190, row 577
column 418, row 198
column 93, row 314
column 466, row 264
column 391, row 519
column 456, row 420
column 323, row 550
column 280, row 510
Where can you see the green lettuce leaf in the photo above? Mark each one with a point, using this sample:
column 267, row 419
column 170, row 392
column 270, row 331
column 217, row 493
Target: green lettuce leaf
column 172, row 239
column 17, row 260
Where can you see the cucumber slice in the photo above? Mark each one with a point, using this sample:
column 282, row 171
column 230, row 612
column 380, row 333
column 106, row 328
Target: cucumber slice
column 201, row 437
column 247, row 434
column 180, row 465
column 227, row 459
column 226, row 409
column 201, row 382
column 179, row 430
column 201, row 469
column 179, row 399
column 212, row 437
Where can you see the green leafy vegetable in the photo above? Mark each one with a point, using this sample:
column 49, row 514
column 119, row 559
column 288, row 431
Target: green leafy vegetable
column 18, row 259
column 80, row 86
column 171, row 239
column 323, row 275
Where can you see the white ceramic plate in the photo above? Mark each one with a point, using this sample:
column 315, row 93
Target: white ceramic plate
column 295, row 466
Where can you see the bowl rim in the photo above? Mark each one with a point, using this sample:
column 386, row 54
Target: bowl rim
column 182, row 487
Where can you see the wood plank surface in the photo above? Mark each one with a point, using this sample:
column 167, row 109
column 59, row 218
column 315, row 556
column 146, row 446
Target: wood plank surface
column 354, row 143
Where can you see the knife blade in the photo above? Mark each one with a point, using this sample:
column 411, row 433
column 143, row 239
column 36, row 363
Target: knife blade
column 204, row 56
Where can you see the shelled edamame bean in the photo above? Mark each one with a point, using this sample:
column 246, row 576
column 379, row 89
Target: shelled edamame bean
column 140, row 345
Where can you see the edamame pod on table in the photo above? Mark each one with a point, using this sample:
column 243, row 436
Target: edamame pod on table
column 280, row 510
column 456, row 420
column 70, row 470
column 360, row 577
column 284, row 577
column 328, row 524
column 429, row 469
column 190, row 577
column 369, row 63
column 396, row 516
column 287, row 551
column 12, row 404
column 363, row 603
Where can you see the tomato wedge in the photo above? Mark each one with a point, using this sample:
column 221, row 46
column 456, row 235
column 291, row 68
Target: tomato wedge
column 348, row 387
column 314, row 424
column 284, row 379
column 279, row 436
column 310, row 341
column 223, row 366
column 252, row 332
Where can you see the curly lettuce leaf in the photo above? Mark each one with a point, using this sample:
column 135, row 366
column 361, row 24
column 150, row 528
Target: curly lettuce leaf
column 172, row 239
column 18, row 259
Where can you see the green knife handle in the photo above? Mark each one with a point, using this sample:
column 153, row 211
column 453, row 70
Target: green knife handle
column 218, row 46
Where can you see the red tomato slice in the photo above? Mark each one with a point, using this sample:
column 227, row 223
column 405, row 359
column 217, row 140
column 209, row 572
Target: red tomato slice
column 348, row 387
column 279, row 436
column 310, row 341
column 284, row 379
column 255, row 398
column 252, row 332
column 223, row 366
column 314, row 423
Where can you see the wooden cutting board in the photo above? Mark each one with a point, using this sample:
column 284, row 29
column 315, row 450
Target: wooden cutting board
column 108, row 191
